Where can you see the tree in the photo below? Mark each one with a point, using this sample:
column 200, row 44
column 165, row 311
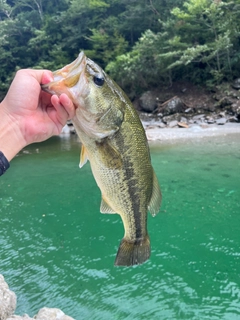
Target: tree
column 24, row 40
column 198, row 42
column 142, row 43
column 211, row 32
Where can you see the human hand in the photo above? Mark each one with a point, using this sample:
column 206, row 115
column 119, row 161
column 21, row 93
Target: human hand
column 30, row 114
column 38, row 114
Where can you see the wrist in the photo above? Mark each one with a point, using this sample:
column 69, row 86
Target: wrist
column 11, row 138
column 4, row 164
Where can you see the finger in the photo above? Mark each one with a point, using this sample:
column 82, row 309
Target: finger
column 68, row 105
column 61, row 115
column 47, row 77
column 45, row 99
column 42, row 76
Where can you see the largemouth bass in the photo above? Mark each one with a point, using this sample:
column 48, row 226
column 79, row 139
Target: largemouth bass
column 114, row 141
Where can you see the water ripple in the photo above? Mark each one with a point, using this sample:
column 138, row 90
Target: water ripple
column 57, row 250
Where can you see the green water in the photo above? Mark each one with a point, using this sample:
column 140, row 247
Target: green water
column 57, row 250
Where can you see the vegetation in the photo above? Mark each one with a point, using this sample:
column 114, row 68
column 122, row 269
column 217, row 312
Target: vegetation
column 141, row 43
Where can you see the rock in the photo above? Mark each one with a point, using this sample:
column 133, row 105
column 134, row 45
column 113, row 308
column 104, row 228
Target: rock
column 210, row 120
column 161, row 125
column 24, row 317
column 222, row 114
column 198, row 117
column 173, row 124
column 148, row 102
column 233, row 119
column 8, row 300
column 174, row 105
column 234, row 112
column 173, row 117
column 210, row 107
column 235, row 108
column 221, row 121
column 51, row 314
column 189, row 110
column 183, row 119
column 44, row 314
column 236, row 84
column 225, row 101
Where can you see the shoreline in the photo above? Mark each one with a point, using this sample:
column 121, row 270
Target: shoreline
column 195, row 131
column 8, row 304
column 155, row 132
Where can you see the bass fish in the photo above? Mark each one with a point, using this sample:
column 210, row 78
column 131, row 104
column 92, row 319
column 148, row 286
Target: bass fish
column 114, row 141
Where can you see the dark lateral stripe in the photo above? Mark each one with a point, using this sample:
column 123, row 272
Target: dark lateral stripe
column 133, row 190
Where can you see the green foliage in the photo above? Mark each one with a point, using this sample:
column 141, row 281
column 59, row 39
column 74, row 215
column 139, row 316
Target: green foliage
column 213, row 42
column 106, row 47
column 141, row 43
column 141, row 67
column 199, row 41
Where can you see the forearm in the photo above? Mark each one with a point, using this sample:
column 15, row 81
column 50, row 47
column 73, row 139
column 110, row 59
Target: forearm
column 11, row 140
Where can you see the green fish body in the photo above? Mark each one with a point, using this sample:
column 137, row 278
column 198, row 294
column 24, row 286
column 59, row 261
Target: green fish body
column 114, row 141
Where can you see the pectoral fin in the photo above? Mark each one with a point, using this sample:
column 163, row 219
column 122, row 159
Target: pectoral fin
column 83, row 157
column 105, row 208
column 109, row 123
column 110, row 156
column 155, row 202
column 113, row 118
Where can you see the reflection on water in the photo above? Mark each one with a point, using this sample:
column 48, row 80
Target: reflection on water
column 57, row 250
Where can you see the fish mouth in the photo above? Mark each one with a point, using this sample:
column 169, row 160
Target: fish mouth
column 67, row 77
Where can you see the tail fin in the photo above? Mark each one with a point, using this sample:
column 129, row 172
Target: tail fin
column 131, row 253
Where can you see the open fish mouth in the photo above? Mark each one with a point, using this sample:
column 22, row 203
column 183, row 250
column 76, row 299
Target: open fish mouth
column 67, row 77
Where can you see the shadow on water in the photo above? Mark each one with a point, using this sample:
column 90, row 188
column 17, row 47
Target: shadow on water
column 57, row 250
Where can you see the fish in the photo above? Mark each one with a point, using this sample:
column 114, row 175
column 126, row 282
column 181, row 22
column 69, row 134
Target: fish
column 113, row 140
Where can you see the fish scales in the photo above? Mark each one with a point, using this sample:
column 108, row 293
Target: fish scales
column 133, row 197
column 114, row 141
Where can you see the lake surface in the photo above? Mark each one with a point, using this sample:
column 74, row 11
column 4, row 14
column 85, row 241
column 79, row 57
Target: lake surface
column 57, row 250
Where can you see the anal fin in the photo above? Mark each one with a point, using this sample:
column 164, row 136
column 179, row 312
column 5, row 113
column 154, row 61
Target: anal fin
column 105, row 208
column 156, row 199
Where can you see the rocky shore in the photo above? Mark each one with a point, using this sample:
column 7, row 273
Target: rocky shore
column 8, row 303
column 194, row 110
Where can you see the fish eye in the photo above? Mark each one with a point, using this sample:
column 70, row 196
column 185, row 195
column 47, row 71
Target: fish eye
column 99, row 81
